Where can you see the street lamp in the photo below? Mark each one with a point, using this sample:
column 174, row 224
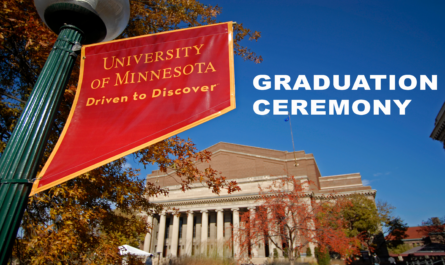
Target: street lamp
column 100, row 20
column 76, row 22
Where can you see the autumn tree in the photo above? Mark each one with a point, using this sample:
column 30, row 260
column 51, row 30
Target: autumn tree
column 77, row 222
column 369, row 221
column 290, row 219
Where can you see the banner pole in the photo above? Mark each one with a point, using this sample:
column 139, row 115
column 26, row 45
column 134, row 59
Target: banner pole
column 22, row 156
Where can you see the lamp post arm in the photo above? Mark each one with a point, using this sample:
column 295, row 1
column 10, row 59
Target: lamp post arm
column 19, row 162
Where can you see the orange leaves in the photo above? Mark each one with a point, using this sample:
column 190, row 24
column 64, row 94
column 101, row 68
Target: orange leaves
column 85, row 219
column 179, row 155
column 162, row 15
column 246, row 53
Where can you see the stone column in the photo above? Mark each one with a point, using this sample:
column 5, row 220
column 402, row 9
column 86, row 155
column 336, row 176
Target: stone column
column 220, row 231
column 274, row 235
column 175, row 236
column 312, row 226
column 292, row 224
column 279, row 241
column 204, row 230
column 254, row 247
column 147, row 245
column 161, row 233
column 271, row 232
column 236, row 239
column 227, row 235
column 189, row 236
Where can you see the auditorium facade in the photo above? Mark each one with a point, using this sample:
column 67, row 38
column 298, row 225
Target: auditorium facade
column 204, row 225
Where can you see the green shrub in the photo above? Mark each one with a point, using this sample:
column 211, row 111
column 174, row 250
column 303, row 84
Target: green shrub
column 323, row 258
column 275, row 253
column 308, row 252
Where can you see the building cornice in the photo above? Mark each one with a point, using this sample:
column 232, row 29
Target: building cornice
column 257, row 196
column 265, row 157
column 239, row 181
column 255, row 147
column 340, row 177
column 342, row 186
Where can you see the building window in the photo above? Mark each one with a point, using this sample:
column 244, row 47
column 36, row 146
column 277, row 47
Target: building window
column 208, row 227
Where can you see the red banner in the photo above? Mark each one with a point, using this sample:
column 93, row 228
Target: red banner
column 138, row 91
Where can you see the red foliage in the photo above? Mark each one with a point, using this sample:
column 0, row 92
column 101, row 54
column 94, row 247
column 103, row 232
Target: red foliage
column 290, row 219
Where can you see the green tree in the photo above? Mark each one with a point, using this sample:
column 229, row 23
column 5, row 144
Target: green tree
column 83, row 220
column 396, row 231
column 368, row 221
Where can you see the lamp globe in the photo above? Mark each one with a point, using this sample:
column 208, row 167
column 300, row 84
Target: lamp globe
column 100, row 20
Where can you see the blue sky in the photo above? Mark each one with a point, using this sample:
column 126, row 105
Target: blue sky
column 394, row 154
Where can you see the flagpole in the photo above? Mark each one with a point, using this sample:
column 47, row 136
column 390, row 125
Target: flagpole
column 292, row 136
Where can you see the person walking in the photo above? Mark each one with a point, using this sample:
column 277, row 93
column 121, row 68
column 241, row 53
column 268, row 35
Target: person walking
column 149, row 260
column 375, row 260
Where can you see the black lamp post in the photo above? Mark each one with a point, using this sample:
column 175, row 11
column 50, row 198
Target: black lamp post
column 77, row 22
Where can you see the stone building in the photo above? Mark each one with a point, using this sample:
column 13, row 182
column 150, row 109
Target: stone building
column 438, row 132
column 206, row 219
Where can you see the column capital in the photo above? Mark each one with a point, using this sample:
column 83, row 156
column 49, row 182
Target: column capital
column 190, row 212
column 204, row 211
column 163, row 213
column 235, row 209
column 251, row 208
column 219, row 210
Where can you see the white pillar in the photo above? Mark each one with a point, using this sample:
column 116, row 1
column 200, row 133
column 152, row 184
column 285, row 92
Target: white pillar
column 161, row 233
column 175, row 236
column 236, row 239
column 291, row 222
column 312, row 226
column 274, row 234
column 189, row 236
column 253, row 246
column 279, row 241
column 147, row 242
column 271, row 232
column 220, row 231
column 204, row 230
